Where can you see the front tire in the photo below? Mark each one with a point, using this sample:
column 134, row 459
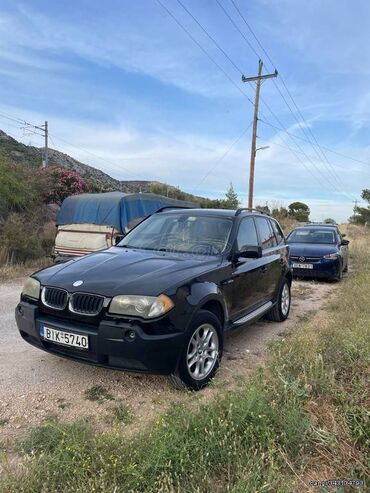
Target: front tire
column 281, row 310
column 202, row 352
column 339, row 277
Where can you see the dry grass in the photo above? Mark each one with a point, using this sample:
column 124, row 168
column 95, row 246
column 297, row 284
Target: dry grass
column 303, row 417
column 288, row 223
column 19, row 271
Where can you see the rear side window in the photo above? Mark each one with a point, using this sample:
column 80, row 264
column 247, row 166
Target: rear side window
column 267, row 236
column 277, row 230
column 247, row 235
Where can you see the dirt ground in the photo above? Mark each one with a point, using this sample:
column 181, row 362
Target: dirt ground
column 35, row 385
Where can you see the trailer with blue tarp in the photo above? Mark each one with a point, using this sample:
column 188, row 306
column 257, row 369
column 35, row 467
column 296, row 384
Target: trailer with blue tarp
column 91, row 222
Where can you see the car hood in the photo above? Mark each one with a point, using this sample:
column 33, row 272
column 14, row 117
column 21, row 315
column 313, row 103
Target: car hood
column 126, row 271
column 311, row 249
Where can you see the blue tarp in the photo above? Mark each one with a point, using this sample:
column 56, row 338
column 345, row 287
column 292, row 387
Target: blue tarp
column 114, row 209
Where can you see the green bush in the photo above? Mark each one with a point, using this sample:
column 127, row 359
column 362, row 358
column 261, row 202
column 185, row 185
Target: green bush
column 23, row 239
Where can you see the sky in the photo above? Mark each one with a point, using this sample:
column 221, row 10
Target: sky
column 125, row 89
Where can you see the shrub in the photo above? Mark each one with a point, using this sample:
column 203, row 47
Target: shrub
column 22, row 238
column 55, row 184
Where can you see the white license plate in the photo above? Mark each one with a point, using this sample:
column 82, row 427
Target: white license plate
column 302, row 266
column 64, row 338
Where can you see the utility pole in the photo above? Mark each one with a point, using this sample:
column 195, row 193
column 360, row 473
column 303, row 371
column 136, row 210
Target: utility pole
column 44, row 129
column 259, row 78
column 46, row 149
column 355, row 206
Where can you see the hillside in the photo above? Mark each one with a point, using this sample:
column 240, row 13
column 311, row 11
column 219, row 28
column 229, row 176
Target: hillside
column 12, row 151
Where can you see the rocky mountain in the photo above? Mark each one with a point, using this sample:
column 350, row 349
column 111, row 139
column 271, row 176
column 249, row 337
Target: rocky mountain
column 16, row 152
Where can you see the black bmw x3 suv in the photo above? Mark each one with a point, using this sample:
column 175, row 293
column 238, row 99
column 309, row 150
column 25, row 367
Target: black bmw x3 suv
column 161, row 300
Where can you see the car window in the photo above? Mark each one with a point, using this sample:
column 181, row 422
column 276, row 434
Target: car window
column 306, row 235
column 247, row 235
column 183, row 233
column 267, row 236
column 277, row 230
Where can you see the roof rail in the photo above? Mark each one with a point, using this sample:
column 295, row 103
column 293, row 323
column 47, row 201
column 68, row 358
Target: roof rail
column 249, row 209
column 173, row 207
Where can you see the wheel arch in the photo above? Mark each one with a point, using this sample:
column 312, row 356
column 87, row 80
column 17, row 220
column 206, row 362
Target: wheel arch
column 289, row 277
column 216, row 307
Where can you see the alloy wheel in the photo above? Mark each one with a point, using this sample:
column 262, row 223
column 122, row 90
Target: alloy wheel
column 202, row 351
column 285, row 299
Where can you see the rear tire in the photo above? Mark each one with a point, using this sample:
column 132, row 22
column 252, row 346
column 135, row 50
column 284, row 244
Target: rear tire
column 280, row 311
column 201, row 354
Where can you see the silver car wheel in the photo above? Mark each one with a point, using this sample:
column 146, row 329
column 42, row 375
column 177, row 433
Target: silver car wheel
column 285, row 299
column 202, row 351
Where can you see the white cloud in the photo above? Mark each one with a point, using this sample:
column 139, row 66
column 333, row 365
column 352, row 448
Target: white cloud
column 133, row 137
column 141, row 47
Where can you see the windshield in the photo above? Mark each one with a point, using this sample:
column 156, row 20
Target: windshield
column 312, row 236
column 183, row 233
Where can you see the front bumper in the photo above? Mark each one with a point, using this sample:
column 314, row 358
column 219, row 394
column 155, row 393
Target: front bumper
column 109, row 345
column 323, row 269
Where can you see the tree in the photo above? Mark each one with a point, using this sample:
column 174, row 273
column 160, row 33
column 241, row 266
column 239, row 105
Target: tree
column 231, row 201
column 366, row 195
column 361, row 215
column 263, row 208
column 329, row 220
column 55, row 184
column 279, row 213
column 299, row 211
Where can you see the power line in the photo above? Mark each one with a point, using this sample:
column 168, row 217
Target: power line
column 12, row 118
column 103, row 160
column 214, row 166
column 57, row 148
column 209, row 36
column 237, row 28
column 229, row 58
column 300, row 148
column 33, row 130
column 290, row 96
column 281, row 129
column 203, row 50
column 27, row 127
column 287, row 147
column 218, row 46
column 308, row 168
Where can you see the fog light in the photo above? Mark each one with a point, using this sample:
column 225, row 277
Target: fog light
column 130, row 335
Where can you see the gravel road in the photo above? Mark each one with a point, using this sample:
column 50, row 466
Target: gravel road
column 35, row 385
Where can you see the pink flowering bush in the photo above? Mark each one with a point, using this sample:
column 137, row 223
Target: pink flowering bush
column 59, row 183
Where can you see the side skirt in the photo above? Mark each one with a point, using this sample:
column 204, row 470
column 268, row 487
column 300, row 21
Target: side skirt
column 253, row 315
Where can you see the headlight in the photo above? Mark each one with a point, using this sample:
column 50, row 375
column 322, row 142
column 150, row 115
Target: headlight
column 140, row 306
column 331, row 256
column 31, row 288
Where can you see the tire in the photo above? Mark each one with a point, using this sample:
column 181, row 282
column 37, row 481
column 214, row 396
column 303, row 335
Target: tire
column 280, row 311
column 339, row 277
column 200, row 359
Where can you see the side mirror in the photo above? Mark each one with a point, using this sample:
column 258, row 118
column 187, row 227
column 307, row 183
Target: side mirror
column 118, row 238
column 343, row 235
column 345, row 242
column 249, row 252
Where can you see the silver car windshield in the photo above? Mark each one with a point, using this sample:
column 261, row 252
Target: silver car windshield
column 182, row 233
